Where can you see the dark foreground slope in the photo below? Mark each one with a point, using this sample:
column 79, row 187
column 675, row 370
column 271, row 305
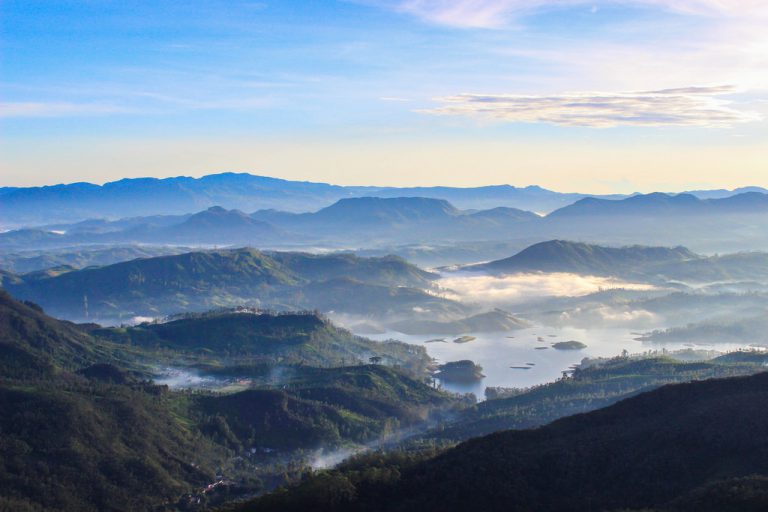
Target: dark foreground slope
column 88, row 446
column 322, row 407
column 79, row 431
column 681, row 447
column 34, row 345
column 70, row 443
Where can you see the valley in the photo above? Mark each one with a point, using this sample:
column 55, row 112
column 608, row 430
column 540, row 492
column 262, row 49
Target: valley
column 266, row 366
column 383, row 256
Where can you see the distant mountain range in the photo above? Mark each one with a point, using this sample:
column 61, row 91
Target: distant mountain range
column 371, row 222
column 74, row 202
column 658, row 204
column 364, row 221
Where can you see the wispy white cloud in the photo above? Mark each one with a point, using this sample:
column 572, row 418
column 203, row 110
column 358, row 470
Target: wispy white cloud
column 154, row 103
column 687, row 106
column 44, row 109
column 496, row 13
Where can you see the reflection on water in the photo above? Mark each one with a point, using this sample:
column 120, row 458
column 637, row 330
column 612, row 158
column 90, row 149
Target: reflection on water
column 503, row 355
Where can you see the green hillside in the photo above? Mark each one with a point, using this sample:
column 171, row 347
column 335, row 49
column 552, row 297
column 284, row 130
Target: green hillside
column 34, row 345
column 79, row 430
column 581, row 258
column 269, row 338
column 200, row 281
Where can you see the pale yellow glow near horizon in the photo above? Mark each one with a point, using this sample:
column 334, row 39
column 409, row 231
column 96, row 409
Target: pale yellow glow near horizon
column 563, row 167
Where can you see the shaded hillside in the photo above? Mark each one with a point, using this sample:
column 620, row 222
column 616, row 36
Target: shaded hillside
column 595, row 384
column 156, row 285
column 581, row 258
column 289, row 338
column 96, row 447
column 102, row 439
column 34, row 345
column 67, row 443
column 671, row 445
column 323, row 407
column 200, row 281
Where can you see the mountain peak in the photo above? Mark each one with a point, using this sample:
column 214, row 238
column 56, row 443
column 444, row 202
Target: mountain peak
column 394, row 209
column 583, row 258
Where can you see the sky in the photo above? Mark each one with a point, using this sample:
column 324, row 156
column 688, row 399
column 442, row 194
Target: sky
column 592, row 96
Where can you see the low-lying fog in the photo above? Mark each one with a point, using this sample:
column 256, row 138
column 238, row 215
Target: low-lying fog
column 521, row 288
column 561, row 307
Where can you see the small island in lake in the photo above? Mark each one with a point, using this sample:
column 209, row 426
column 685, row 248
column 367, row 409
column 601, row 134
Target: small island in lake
column 464, row 339
column 569, row 345
column 460, row 371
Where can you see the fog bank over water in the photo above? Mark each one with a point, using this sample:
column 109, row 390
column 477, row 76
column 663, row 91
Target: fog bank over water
column 519, row 288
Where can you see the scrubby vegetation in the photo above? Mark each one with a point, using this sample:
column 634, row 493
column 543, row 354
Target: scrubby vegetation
column 262, row 338
column 672, row 449
column 595, row 384
column 82, row 429
column 199, row 281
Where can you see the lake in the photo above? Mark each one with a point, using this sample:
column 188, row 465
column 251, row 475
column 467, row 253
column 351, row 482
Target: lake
column 497, row 353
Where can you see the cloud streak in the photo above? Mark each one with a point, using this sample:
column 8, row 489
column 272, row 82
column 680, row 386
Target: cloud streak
column 688, row 106
column 43, row 109
column 497, row 13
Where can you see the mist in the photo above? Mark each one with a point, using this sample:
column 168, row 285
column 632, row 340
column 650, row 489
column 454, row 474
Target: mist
column 520, row 288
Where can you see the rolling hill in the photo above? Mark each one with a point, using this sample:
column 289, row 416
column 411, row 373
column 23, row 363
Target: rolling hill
column 581, row 258
column 652, row 264
column 199, row 281
column 268, row 338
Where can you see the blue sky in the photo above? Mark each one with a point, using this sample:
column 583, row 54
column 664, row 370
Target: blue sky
column 613, row 95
